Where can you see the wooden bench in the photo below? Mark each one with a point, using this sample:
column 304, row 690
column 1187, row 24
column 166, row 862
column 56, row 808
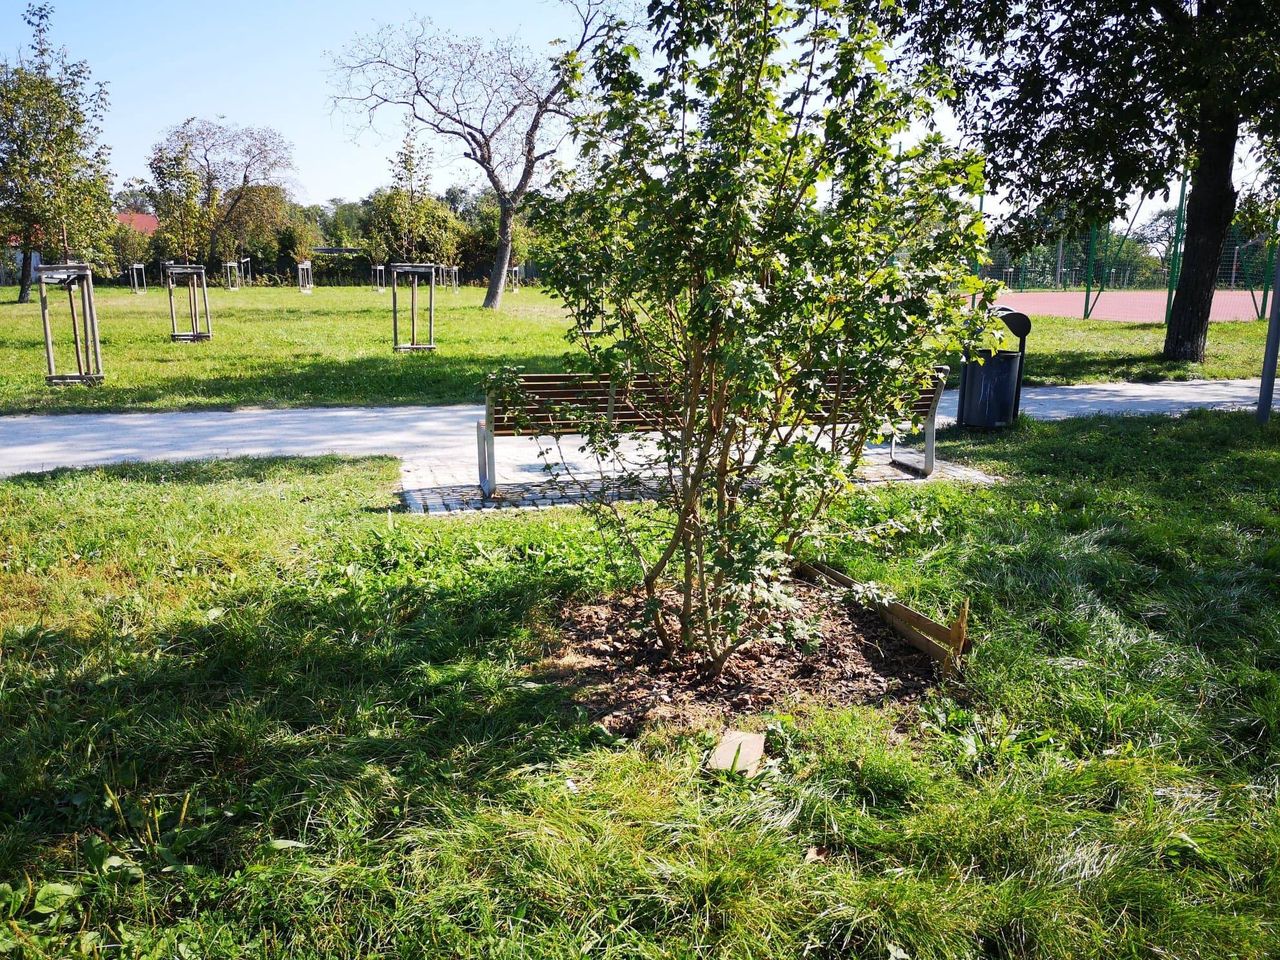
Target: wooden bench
column 557, row 403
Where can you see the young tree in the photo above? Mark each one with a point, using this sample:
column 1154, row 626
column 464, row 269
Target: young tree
column 748, row 227
column 55, row 188
column 129, row 246
column 175, row 194
column 229, row 161
column 1078, row 104
column 502, row 102
column 406, row 222
column 298, row 239
column 251, row 225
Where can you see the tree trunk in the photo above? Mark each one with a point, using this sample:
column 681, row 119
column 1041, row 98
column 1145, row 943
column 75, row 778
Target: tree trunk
column 1211, row 205
column 501, row 257
column 24, row 276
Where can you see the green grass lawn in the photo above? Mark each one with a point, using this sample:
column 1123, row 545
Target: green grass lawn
column 1062, row 350
column 277, row 347
column 245, row 710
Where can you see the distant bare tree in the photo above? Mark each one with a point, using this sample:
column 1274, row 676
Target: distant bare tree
column 503, row 101
column 230, row 161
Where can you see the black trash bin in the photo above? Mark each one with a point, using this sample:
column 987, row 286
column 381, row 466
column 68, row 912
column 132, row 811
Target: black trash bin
column 991, row 380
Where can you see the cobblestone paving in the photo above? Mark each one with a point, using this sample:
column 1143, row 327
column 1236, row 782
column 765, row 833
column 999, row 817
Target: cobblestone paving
column 549, row 493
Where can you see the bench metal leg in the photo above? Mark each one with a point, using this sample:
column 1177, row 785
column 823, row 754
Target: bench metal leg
column 487, row 461
column 930, row 433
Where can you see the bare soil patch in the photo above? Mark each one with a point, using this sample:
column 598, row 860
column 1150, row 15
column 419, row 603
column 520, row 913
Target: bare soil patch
column 831, row 652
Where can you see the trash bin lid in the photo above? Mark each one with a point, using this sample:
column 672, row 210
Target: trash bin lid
column 1019, row 324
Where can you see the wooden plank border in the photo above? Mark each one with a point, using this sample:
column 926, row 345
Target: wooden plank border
column 945, row 643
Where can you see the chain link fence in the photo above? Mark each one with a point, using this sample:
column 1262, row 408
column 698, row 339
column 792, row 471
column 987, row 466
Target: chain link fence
column 1128, row 270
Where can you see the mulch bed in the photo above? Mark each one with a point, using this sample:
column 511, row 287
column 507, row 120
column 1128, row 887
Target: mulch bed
column 835, row 653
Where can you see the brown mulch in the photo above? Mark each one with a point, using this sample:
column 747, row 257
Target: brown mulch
column 837, row 654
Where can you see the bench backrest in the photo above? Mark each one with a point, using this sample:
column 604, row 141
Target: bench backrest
column 558, row 402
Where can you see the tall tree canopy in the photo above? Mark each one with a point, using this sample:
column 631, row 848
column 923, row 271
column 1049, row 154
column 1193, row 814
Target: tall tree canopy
column 231, row 164
column 496, row 98
column 55, row 187
column 1078, row 104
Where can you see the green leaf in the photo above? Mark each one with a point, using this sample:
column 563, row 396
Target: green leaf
column 53, row 897
column 10, row 900
column 286, row 845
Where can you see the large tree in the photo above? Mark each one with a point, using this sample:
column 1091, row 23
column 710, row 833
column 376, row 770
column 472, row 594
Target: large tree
column 502, row 102
column 1079, row 103
column 55, row 187
column 230, row 162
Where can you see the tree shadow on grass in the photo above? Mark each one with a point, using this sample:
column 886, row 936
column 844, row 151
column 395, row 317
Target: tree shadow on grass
column 312, row 713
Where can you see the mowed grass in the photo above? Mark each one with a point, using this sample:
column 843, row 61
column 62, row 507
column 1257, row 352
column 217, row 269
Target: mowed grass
column 245, row 710
column 278, row 347
column 1062, row 350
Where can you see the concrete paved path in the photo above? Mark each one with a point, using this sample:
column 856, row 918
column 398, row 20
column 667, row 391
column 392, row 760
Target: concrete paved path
column 437, row 444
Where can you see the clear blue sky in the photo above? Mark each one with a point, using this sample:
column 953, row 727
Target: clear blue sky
column 259, row 62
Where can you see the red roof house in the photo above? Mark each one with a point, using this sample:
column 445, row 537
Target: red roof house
column 145, row 223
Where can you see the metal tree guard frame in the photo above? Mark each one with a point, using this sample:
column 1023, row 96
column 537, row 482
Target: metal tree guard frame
column 415, row 271
column 379, row 278
column 72, row 277
column 305, row 278
column 197, row 291
column 246, row 270
column 137, row 278
column 231, row 270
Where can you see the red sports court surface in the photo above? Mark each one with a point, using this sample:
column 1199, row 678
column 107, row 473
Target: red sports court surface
column 1143, row 306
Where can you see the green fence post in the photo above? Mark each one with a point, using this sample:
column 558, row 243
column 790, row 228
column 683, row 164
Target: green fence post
column 977, row 267
column 1266, row 279
column 1175, row 249
column 1088, row 272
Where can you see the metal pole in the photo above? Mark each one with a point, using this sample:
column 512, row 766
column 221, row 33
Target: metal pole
column 1088, row 272
column 1266, row 278
column 173, row 313
column 395, row 315
column 75, row 329
column 48, row 333
column 976, row 267
column 93, row 312
column 413, row 312
column 194, row 304
column 86, row 320
column 1267, row 392
column 431, row 310
column 1175, row 249
column 208, row 318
